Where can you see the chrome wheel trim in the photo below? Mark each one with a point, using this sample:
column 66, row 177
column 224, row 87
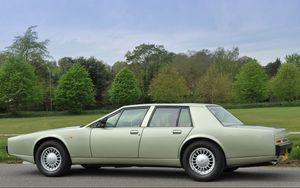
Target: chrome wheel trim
column 202, row 161
column 51, row 159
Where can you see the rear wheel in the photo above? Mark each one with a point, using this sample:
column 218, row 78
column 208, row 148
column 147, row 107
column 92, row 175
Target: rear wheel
column 91, row 166
column 52, row 159
column 203, row 161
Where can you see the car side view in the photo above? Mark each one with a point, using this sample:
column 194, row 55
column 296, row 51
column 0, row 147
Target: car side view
column 204, row 139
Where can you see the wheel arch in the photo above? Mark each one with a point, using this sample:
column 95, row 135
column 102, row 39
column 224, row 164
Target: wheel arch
column 40, row 141
column 200, row 138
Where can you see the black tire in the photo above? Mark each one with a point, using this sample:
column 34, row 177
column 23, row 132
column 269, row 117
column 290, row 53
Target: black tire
column 230, row 169
column 214, row 172
column 91, row 166
column 65, row 162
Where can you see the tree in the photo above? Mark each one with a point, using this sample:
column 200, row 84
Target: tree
column 293, row 58
column 28, row 46
column 192, row 66
column 148, row 58
column 19, row 85
column 99, row 73
column 31, row 50
column 227, row 61
column 286, row 83
column 3, row 57
column 35, row 52
column 124, row 89
column 75, row 90
column 65, row 64
column 168, row 86
column 118, row 66
column 251, row 83
column 272, row 68
column 214, row 86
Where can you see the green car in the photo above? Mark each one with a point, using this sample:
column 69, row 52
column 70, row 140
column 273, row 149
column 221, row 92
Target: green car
column 205, row 139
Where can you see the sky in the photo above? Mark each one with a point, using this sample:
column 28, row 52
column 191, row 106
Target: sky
column 107, row 29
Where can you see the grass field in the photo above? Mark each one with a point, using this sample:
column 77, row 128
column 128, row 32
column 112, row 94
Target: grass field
column 31, row 124
column 281, row 117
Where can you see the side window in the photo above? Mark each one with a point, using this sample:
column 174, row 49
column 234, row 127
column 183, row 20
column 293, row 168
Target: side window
column 165, row 117
column 112, row 120
column 184, row 118
column 132, row 117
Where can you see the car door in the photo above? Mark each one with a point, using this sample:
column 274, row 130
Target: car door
column 120, row 135
column 165, row 132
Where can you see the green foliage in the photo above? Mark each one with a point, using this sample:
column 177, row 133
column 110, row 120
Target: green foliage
column 4, row 56
column 98, row 71
column 295, row 153
column 35, row 52
column 19, row 86
column 145, row 61
column 286, row 83
column 293, row 58
column 75, row 90
column 168, row 86
column 214, row 86
column 124, row 89
column 227, row 61
column 118, row 66
column 251, row 83
column 192, row 66
column 28, row 46
column 272, row 68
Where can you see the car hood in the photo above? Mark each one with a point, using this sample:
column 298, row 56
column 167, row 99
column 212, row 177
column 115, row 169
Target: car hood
column 53, row 130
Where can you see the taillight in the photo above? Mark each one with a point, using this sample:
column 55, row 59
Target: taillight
column 281, row 140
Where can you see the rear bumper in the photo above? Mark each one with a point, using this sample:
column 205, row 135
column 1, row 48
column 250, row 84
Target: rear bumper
column 282, row 148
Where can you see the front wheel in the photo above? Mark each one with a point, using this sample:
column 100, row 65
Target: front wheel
column 203, row 161
column 52, row 159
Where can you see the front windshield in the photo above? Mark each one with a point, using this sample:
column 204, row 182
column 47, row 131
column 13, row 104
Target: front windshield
column 225, row 117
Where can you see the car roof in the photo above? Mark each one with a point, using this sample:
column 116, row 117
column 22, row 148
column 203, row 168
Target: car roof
column 172, row 104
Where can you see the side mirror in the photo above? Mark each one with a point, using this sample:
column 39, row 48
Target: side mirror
column 101, row 124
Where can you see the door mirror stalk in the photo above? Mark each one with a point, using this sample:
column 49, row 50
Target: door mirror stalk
column 101, row 123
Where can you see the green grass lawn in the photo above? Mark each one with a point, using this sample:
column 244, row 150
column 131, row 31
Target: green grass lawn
column 281, row 117
column 31, row 124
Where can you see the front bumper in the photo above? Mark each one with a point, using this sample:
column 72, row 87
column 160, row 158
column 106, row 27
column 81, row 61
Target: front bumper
column 282, row 148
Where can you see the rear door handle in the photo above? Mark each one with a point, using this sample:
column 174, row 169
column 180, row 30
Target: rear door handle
column 176, row 131
column 134, row 132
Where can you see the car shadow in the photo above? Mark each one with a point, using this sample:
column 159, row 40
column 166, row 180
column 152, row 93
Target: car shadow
column 251, row 176
column 131, row 172
column 239, row 175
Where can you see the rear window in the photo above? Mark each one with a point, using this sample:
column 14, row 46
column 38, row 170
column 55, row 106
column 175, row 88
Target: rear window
column 225, row 117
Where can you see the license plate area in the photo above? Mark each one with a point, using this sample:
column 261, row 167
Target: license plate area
column 285, row 155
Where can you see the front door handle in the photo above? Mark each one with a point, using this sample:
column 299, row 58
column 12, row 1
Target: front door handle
column 176, row 131
column 134, row 132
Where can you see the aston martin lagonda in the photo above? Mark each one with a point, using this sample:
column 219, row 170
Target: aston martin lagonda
column 204, row 139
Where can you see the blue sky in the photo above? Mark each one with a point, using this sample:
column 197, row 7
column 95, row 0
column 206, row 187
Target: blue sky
column 107, row 29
